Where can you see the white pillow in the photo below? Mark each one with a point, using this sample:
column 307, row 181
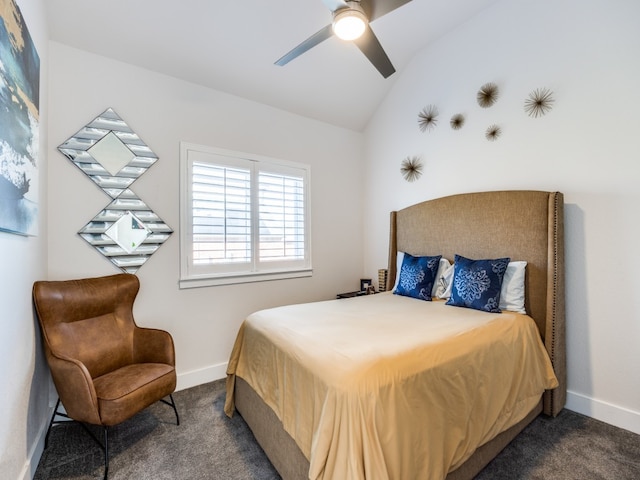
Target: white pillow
column 442, row 266
column 444, row 282
column 399, row 259
column 512, row 291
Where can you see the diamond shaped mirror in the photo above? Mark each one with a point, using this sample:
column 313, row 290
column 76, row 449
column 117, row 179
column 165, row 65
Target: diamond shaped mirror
column 127, row 232
column 109, row 153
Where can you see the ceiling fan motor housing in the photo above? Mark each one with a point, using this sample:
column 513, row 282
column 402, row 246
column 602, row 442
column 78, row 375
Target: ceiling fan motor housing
column 349, row 22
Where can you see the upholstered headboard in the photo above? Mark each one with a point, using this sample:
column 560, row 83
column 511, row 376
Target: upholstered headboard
column 522, row 225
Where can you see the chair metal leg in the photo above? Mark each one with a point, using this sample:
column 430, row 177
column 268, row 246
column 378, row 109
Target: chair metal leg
column 55, row 411
column 172, row 403
column 106, row 453
column 104, row 445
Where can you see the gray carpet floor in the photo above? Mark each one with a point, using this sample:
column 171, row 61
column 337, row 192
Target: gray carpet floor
column 208, row 445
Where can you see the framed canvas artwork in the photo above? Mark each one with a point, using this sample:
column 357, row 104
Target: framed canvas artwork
column 19, row 123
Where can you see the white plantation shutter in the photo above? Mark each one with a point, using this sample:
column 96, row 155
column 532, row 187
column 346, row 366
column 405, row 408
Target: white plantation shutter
column 221, row 213
column 281, row 217
column 243, row 218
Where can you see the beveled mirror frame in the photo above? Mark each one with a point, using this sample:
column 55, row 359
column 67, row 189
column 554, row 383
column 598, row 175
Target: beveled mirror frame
column 127, row 259
column 127, row 231
column 106, row 137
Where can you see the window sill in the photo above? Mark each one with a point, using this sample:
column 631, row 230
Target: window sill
column 196, row 282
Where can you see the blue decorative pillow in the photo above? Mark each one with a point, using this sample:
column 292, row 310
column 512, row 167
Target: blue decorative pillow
column 477, row 283
column 417, row 276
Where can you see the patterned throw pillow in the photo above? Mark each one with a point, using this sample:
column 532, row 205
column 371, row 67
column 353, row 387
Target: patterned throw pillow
column 417, row 276
column 477, row 283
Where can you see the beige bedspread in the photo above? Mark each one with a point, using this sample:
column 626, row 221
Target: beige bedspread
column 390, row 387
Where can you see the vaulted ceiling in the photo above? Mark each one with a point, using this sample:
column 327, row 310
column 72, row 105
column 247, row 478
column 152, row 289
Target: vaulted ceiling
column 231, row 46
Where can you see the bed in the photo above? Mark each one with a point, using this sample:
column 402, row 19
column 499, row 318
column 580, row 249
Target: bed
column 341, row 419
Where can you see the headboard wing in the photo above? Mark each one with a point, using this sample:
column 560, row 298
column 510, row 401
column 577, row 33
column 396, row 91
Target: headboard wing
column 523, row 225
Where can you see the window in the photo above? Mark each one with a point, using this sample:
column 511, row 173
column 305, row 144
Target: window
column 243, row 218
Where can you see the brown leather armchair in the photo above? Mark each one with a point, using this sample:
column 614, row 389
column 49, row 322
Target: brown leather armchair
column 105, row 368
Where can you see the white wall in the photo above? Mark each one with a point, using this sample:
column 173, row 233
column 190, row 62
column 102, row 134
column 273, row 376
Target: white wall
column 588, row 146
column 164, row 111
column 24, row 389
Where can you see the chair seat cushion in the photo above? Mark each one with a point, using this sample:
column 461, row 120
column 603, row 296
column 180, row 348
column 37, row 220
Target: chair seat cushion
column 129, row 389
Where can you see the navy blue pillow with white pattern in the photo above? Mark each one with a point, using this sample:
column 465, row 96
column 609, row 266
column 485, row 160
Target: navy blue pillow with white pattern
column 417, row 276
column 477, row 283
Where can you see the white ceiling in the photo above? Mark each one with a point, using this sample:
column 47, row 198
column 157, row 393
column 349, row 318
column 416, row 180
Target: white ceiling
column 231, row 46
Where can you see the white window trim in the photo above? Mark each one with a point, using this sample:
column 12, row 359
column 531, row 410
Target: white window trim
column 191, row 279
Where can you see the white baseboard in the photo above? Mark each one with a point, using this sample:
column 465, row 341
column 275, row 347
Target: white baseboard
column 202, row 375
column 31, row 464
column 606, row 412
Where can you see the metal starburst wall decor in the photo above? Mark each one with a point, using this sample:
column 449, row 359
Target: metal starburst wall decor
column 493, row 132
column 539, row 102
column 457, row 121
column 487, row 95
column 428, row 118
column 411, row 168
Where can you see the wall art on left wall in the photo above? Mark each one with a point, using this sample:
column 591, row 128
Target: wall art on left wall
column 19, row 123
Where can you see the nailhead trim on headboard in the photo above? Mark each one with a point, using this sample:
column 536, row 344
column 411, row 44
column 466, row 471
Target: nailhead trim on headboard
column 555, row 399
column 552, row 343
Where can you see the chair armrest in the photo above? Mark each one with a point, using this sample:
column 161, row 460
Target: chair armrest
column 153, row 346
column 75, row 389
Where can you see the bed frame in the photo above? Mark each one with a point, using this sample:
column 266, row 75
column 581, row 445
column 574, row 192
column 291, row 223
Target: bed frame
column 522, row 225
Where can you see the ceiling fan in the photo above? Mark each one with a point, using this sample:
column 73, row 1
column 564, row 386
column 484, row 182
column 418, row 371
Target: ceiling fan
column 351, row 22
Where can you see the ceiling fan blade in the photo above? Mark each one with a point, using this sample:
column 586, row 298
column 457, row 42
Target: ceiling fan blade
column 378, row 8
column 369, row 45
column 309, row 43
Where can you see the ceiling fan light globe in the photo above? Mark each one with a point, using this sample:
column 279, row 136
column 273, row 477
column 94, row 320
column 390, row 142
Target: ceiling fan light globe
column 349, row 24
